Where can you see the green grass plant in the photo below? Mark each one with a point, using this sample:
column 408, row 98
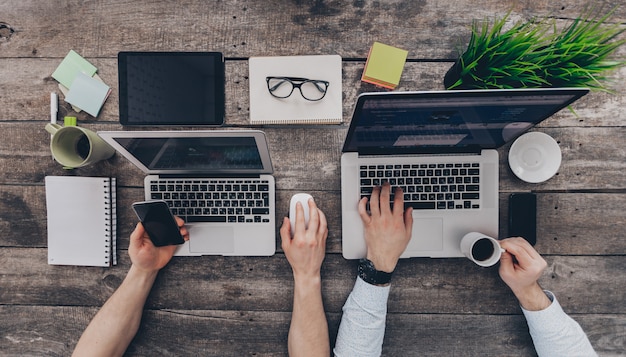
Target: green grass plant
column 535, row 54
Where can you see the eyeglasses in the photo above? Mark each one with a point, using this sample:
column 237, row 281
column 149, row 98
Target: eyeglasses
column 310, row 89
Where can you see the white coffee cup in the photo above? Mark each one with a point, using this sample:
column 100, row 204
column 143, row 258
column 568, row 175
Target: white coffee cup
column 481, row 249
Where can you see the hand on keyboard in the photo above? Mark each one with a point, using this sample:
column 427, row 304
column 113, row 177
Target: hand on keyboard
column 387, row 229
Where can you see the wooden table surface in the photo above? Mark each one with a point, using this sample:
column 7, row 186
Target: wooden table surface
column 236, row 306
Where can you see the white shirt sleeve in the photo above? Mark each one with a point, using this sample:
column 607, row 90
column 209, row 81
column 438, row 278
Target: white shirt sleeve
column 555, row 334
column 362, row 326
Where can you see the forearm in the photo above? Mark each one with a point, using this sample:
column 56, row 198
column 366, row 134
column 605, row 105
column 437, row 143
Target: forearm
column 308, row 333
column 362, row 326
column 117, row 322
column 554, row 333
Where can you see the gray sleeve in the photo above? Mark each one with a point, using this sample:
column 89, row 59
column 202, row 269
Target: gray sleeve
column 554, row 333
column 362, row 326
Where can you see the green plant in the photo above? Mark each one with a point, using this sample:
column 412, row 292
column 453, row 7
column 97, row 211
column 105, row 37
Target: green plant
column 535, row 54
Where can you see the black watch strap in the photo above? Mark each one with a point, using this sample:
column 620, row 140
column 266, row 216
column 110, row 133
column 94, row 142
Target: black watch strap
column 369, row 274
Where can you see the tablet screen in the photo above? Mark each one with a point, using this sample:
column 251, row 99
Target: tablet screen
column 171, row 88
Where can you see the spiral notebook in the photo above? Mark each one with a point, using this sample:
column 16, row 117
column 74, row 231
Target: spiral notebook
column 81, row 220
column 267, row 109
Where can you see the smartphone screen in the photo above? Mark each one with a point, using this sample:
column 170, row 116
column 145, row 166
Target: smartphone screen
column 523, row 216
column 158, row 222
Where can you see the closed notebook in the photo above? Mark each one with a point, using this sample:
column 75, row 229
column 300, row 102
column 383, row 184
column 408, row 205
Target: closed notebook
column 267, row 109
column 81, row 220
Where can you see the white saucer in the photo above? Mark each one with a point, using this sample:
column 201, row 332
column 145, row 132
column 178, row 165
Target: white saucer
column 535, row 157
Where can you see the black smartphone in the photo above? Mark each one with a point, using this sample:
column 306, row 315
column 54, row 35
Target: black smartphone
column 158, row 222
column 523, row 216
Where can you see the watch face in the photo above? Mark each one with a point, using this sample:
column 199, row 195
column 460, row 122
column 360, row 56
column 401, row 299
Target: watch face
column 369, row 274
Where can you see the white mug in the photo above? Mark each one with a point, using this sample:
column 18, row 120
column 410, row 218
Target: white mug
column 481, row 249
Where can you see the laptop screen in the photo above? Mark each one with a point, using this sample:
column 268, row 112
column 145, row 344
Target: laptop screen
column 194, row 154
column 212, row 152
column 450, row 121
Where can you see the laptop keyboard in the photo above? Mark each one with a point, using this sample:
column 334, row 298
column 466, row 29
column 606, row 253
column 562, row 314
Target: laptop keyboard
column 449, row 186
column 215, row 200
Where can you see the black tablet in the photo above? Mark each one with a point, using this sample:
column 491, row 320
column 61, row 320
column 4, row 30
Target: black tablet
column 171, row 88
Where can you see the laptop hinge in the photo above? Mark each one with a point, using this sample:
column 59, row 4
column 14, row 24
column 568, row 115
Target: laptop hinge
column 204, row 176
column 418, row 151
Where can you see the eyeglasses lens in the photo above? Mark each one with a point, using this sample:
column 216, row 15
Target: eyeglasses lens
column 280, row 87
column 313, row 90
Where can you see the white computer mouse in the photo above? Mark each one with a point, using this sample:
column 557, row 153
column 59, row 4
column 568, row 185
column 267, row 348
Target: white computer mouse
column 303, row 198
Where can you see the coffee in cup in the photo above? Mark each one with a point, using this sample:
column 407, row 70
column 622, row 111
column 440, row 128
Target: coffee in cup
column 73, row 146
column 481, row 249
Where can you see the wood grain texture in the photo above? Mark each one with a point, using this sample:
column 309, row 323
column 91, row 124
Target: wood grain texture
column 29, row 81
column 237, row 306
column 53, row 331
column 245, row 28
column 567, row 222
column 308, row 158
column 421, row 285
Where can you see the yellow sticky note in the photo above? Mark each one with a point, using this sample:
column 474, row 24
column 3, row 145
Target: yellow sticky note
column 384, row 65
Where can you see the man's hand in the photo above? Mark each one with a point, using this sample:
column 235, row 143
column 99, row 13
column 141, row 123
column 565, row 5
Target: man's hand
column 305, row 251
column 308, row 333
column 144, row 255
column 387, row 232
column 520, row 268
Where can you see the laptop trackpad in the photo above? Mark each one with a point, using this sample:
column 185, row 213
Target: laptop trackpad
column 211, row 240
column 427, row 234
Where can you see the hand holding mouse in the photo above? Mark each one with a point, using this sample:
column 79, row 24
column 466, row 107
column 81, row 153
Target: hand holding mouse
column 306, row 246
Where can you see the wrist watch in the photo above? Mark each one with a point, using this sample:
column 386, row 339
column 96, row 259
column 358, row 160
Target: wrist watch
column 369, row 274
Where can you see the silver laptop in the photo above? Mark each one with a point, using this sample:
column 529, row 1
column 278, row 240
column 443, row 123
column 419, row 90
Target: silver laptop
column 218, row 181
column 440, row 147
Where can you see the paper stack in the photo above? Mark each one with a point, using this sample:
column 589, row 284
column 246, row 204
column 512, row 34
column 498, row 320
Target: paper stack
column 384, row 65
column 80, row 84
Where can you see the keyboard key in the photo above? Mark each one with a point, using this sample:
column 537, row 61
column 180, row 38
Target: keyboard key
column 470, row 196
column 420, row 205
column 192, row 219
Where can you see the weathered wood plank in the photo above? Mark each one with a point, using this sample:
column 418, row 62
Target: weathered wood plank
column 245, row 28
column 585, row 165
column 29, row 82
column 54, row 331
column 567, row 222
column 224, row 283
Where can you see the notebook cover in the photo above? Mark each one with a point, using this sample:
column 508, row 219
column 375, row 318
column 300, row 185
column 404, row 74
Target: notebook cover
column 266, row 109
column 80, row 220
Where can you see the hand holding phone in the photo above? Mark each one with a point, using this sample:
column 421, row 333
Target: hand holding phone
column 158, row 222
